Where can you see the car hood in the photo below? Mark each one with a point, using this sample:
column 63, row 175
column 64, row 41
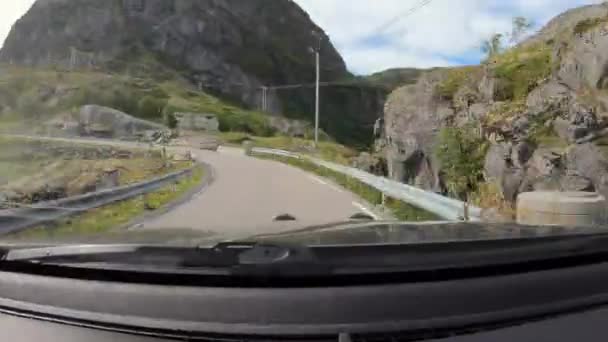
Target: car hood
column 345, row 233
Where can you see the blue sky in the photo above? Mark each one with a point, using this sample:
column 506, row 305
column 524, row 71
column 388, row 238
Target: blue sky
column 445, row 32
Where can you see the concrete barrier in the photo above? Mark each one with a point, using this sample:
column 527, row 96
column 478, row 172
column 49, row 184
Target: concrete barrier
column 561, row 208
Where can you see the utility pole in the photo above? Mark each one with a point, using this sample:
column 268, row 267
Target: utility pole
column 264, row 98
column 317, row 95
column 317, row 52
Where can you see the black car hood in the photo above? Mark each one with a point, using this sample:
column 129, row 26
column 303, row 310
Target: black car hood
column 417, row 233
column 345, row 233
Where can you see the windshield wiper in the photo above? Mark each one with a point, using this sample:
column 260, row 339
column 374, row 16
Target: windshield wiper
column 249, row 258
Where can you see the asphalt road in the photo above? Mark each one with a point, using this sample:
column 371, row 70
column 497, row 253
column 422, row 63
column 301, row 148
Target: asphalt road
column 248, row 193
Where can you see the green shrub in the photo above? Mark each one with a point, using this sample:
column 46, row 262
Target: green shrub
column 247, row 122
column 171, row 121
column 519, row 71
column 461, row 152
column 454, row 80
column 150, row 107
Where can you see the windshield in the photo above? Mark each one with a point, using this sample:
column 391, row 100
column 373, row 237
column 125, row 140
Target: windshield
column 189, row 123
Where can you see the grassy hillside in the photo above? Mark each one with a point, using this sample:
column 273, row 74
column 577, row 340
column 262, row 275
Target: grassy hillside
column 34, row 96
column 393, row 78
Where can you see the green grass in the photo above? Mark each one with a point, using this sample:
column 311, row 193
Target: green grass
column 519, row 70
column 109, row 218
column 147, row 98
column 327, row 150
column 400, row 210
column 454, row 80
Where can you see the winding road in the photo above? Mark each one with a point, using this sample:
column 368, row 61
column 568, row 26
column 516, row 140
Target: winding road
column 247, row 193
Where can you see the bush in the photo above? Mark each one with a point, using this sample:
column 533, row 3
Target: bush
column 29, row 105
column 454, row 80
column 171, row 121
column 150, row 107
column 247, row 122
column 461, row 152
column 519, row 71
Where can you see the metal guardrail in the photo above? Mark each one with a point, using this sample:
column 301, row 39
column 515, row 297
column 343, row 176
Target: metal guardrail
column 444, row 207
column 13, row 220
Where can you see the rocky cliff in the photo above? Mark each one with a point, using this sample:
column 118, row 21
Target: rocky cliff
column 230, row 48
column 539, row 110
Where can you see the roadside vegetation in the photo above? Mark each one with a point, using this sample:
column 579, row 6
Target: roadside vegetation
column 398, row 209
column 327, row 149
column 38, row 95
column 112, row 217
column 462, row 152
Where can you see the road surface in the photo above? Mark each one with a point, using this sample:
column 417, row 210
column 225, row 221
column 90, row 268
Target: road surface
column 247, row 193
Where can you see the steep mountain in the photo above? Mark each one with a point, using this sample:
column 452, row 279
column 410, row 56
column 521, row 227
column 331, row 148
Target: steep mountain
column 231, row 48
column 531, row 118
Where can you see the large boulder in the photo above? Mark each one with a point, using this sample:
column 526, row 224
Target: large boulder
column 580, row 124
column 497, row 161
column 197, row 122
column 110, row 123
column 551, row 96
column 413, row 117
column 546, row 162
column 589, row 161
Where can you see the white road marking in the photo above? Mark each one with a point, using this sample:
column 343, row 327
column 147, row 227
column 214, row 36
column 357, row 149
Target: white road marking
column 318, row 180
column 365, row 210
column 323, row 182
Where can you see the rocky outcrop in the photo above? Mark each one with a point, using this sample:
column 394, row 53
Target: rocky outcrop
column 589, row 161
column 413, row 118
column 548, row 93
column 290, row 127
column 197, row 122
column 110, row 123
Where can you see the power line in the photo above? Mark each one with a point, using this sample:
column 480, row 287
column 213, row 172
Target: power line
column 382, row 28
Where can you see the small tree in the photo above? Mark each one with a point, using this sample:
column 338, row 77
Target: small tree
column 493, row 46
column 521, row 26
column 461, row 152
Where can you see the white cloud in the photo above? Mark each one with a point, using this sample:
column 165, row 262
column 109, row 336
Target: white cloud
column 10, row 11
column 438, row 34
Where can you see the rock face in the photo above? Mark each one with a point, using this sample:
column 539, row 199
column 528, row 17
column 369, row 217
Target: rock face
column 590, row 162
column 224, row 44
column 529, row 104
column 228, row 47
column 413, row 117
